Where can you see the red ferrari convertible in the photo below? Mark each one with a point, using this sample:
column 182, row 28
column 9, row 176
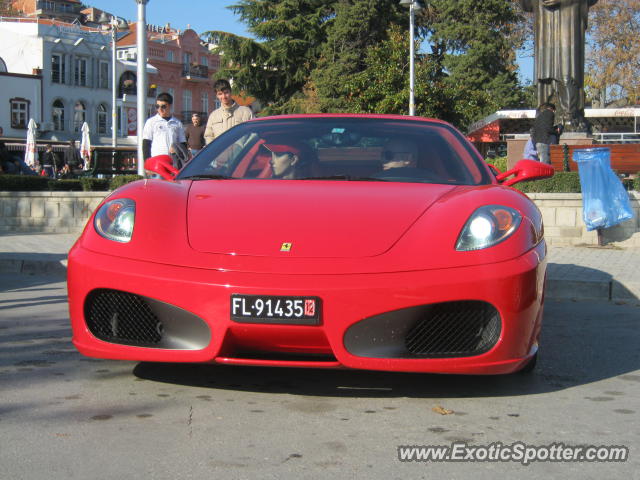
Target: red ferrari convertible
column 330, row 241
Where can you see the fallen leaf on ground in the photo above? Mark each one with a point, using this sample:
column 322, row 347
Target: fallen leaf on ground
column 441, row 410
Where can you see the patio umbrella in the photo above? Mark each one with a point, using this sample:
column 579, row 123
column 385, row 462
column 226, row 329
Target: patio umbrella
column 85, row 145
column 30, row 149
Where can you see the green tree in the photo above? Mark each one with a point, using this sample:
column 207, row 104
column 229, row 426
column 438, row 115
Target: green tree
column 289, row 33
column 382, row 86
column 358, row 25
column 479, row 57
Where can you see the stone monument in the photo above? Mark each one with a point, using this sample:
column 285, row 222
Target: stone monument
column 560, row 27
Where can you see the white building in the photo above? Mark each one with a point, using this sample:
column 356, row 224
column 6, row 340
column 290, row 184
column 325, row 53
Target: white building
column 75, row 65
column 22, row 95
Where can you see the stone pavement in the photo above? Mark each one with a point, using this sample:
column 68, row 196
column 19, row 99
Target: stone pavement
column 603, row 273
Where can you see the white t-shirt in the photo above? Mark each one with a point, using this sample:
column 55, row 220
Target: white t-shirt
column 163, row 133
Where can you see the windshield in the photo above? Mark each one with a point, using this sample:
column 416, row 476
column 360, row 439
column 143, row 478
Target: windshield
column 341, row 148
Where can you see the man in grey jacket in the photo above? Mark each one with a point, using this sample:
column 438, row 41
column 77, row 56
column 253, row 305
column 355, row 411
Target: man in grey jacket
column 228, row 115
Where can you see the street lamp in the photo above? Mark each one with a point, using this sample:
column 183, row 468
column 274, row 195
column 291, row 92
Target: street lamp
column 414, row 6
column 142, row 78
column 115, row 23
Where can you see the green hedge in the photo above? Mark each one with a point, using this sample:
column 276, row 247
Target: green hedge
column 561, row 182
column 120, row 180
column 499, row 162
column 33, row 183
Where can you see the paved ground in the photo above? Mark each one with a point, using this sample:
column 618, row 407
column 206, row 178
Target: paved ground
column 599, row 273
column 66, row 416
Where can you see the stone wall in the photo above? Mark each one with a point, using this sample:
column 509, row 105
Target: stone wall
column 67, row 212
column 46, row 212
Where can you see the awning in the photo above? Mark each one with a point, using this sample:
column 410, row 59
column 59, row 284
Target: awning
column 133, row 66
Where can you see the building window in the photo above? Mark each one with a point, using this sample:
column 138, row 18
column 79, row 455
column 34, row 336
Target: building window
column 104, row 75
column 19, row 112
column 57, row 68
column 186, row 59
column 79, row 116
column 3, row 66
column 170, row 55
column 186, row 100
column 81, row 72
column 171, row 92
column 101, row 117
column 204, row 107
column 57, row 115
column 204, row 61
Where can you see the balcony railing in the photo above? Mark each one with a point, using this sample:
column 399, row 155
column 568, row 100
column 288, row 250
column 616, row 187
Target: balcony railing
column 195, row 71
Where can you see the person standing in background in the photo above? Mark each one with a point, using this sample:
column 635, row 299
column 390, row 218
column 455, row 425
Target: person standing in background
column 162, row 130
column 194, row 134
column 228, row 115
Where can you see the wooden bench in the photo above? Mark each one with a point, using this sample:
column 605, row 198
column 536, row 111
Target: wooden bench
column 625, row 157
column 112, row 161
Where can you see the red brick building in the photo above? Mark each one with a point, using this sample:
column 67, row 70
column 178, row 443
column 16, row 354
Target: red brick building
column 185, row 67
column 65, row 10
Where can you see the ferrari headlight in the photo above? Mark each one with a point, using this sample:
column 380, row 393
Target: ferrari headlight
column 115, row 219
column 488, row 226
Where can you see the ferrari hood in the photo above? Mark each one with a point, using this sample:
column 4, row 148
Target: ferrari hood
column 314, row 219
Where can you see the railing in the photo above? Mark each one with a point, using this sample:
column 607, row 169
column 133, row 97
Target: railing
column 133, row 90
column 198, row 71
column 617, row 137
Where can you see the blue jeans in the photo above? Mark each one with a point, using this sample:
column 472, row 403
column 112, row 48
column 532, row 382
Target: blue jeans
column 543, row 152
column 17, row 166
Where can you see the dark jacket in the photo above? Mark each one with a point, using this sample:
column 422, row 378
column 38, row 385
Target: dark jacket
column 51, row 158
column 72, row 157
column 543, row 131
column 195, row 136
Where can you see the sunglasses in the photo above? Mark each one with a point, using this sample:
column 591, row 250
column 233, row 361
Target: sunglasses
column 162, row 107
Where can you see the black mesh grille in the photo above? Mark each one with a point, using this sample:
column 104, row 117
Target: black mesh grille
column 121, row 317
column 455, row 329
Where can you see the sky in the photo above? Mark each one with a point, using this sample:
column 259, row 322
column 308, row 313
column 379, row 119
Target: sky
column 200, row 15
column 205, row 15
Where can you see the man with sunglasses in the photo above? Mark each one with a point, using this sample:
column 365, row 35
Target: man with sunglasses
column 162, row 130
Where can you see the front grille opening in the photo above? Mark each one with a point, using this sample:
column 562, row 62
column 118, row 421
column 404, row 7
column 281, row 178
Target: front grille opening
column 455, row 329
column 121, row 317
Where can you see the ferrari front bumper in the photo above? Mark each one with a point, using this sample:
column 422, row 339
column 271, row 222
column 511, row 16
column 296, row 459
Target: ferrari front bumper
column 364, row 323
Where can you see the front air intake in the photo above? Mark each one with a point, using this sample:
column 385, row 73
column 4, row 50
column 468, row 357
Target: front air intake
column 122, row 317
column 455, row 329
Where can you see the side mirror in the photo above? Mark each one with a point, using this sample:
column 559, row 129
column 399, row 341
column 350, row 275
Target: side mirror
column 162, row 165
column 526, row 170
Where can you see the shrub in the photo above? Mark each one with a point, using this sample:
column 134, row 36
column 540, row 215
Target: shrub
column 499, row 162
column 636, row 183
column 120, row 180
column 64, row 185
column 561, row 182
column 21, row 183
column 90, row 184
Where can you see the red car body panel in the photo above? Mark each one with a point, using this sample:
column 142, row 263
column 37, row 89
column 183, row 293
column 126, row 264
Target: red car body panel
column 366, row 249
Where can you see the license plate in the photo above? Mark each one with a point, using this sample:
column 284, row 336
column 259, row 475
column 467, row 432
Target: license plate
column 275, row 309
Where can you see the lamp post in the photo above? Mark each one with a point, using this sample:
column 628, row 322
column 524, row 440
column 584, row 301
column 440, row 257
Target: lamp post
column 142, row 78
column 414, row 6
column 116, row 24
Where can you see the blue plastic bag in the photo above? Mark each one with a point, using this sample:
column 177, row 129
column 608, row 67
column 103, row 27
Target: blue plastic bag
column 605, row 202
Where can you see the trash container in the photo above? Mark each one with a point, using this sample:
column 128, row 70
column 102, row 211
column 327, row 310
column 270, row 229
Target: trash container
column 605, row 202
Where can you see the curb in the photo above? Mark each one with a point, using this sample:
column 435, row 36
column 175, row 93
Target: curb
column 34, row 267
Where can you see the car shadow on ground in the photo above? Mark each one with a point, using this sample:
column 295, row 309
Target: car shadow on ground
column 598, row 342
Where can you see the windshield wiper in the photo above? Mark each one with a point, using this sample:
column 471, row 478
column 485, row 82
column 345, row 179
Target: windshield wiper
column 348, row 178
column 206, row 176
